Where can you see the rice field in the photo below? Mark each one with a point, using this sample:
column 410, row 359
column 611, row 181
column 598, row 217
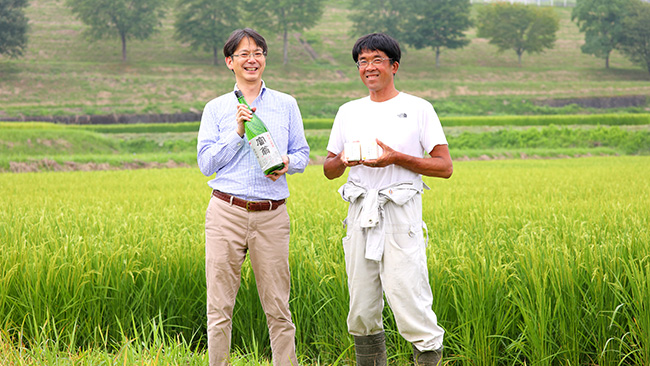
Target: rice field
column 535, row 262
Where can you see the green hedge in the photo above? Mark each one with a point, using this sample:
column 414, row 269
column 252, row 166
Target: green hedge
column 554, row 137
column 326, row 123
column 560, row 120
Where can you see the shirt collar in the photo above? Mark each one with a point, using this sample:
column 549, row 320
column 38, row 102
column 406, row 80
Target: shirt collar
column 260, row 96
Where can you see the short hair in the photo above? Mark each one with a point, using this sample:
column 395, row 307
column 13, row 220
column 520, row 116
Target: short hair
column 237, row 35
column 377, row 42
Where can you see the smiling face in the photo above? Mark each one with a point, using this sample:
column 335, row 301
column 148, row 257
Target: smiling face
column 248, row 70
column 378, row 78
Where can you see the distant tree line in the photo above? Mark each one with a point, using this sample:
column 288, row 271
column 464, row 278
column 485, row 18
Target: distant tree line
column 435, row 24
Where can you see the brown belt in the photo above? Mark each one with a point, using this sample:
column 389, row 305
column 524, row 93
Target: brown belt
column 248, row 205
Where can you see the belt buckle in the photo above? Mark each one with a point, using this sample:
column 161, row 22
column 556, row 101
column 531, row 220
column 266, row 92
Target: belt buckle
column 247, row 207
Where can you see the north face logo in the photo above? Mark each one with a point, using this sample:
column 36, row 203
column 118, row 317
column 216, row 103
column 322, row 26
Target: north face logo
column 402, row 115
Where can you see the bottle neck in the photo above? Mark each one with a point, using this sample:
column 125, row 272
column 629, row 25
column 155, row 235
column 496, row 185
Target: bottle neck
column 242, row 100
column 249, row 92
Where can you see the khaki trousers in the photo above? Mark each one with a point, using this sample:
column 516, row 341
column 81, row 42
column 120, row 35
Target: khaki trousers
column 231, row 232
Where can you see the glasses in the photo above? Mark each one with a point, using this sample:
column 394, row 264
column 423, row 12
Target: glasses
column 246, row 55
column 375, row 61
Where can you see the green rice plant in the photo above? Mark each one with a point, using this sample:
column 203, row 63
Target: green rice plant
column 636, row 299
column 530, row 261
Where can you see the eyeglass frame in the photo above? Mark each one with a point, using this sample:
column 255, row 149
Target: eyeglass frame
column 375, row 61
column 256, row 55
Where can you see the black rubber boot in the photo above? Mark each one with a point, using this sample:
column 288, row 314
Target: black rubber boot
column 427, row 358
column 371, row 350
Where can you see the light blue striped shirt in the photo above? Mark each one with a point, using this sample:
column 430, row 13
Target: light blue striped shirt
column 220, row 150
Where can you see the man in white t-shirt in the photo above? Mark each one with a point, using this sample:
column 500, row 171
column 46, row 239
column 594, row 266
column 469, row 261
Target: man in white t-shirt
column 387, row 135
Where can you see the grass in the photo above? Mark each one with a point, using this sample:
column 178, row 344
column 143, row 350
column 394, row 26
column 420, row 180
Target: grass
column 30, row 147
column 46, row 146
column 64, row 74
column 531, row 262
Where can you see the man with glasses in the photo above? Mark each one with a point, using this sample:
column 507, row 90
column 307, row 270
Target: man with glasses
column 246, row 213
column 385, row 249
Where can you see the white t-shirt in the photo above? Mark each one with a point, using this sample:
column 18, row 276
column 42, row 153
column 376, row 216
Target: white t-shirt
column 405, row 123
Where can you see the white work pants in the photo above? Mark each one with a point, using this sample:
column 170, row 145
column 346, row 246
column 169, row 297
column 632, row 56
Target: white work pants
column 401, row 274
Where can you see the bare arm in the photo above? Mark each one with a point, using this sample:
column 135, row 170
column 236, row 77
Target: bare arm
column 335, row 165
column 439, row 165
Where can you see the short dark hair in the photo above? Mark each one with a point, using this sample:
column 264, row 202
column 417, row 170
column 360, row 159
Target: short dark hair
column 377, row 42
column 237, row 35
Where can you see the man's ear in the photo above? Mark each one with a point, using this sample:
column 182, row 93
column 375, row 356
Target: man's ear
column 395, row 66
column 229, row 61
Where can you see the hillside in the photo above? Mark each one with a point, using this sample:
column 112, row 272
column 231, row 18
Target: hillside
column 63, row 74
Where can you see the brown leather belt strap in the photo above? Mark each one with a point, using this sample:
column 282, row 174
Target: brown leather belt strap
column 248, row 205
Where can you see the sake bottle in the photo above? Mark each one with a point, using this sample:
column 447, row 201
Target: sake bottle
column 261, row 142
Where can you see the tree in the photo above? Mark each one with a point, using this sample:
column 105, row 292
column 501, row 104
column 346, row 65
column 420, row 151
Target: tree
column 206, row 23
column 417, row 23
column 283, row 16
column 127, row 19
column 386, row 16
column 13, row 27
column 635, row 43
column 437, row 24
column 518, row 27
column 602, row 23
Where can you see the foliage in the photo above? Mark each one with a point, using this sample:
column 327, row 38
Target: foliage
column 626, row 142
column 140, row 128
column 126, row 19
column 385, row 16
column 558, row 120
column 437, row 24
column 518, row 27
column 522, row 254
column 46, row 146
column 602, row 23
column 419, row 23
column 610, row 119
column 13, row 27
column 206, row 23
column 64, row 77
column 284, row 16
column 636, row 40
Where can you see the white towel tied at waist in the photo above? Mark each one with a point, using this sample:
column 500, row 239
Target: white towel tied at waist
column 371, row 216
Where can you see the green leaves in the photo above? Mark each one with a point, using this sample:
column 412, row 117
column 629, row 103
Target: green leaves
column 635, row 42
column 418, row 23
column 125, row 19
column 13, row 27
column 206, row 23
column 518, row 27
column 284, row 16
column 601, row 21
